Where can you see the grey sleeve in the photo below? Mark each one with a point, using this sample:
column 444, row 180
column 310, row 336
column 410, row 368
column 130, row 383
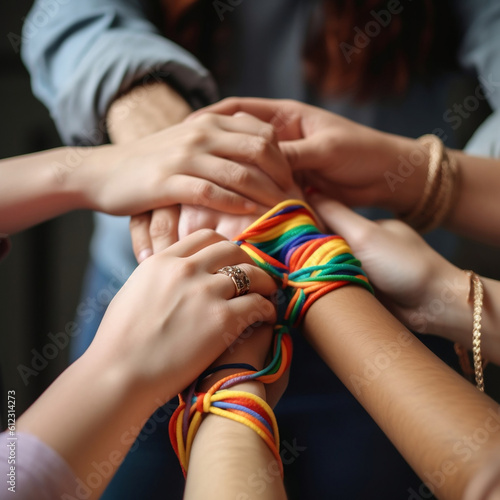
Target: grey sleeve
column 486, row 139
column 82, row 53
column 479, row 50
column 480, row 53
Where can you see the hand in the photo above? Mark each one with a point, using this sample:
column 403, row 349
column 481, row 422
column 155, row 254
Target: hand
column 175, row 316
column 229, row 225
column 407, row 272
column 344, row 160
column 196, row 163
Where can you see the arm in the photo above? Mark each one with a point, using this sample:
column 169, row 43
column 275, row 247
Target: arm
column 225, row 449
column 135, row 365
column 89, row 53
column 143, row 110
column 427, row 410
column 362, row 166
column 421, row 288
column 187, row 163
column 228, row 460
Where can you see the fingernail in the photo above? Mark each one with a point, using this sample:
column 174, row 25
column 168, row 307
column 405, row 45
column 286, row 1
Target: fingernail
column 144, row 254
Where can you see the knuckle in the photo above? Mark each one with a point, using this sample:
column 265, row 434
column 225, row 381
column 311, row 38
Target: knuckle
column 264, row 310
column 221, row 313
column 197, row 137
column 206, row 233
column 360, row 237
column 138, row 221
column 231, row 101
column 208, row 119
column 260, row 146
column 226, row 247
column 204, row 192
column 292, row 156
column 240, row 176
column 225, row 173
column 187, row 268
column 161, row 227
column 267, row 132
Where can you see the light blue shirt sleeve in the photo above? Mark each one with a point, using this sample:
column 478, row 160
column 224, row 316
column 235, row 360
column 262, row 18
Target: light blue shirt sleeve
column 480, row 53
column 82, row 53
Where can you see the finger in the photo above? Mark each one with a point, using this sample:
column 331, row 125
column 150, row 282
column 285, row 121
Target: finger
column 339, row 219
column 255, row 150
column 242, row 123
column 139, row 233
column 227, row 253
column 194, row 242
column 252, row 347
column 220, row 254
column 252, row 308
column 247, row 180
column 301, row 153
column 264, row 109
column 191, row 190
column 163, row 227
column 260, row 282
column 284, row 115
column 195, row 218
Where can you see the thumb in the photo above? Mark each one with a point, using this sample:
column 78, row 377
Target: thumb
column 340, row 219
column 302, row 154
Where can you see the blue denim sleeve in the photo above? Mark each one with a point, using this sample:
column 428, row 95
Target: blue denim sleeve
column 479, row 50
column 82, row 53
column 480, row 53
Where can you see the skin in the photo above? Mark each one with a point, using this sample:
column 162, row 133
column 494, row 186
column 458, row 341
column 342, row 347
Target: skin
column 140, row 357
column 226, row 454
column 186, row 163
column 423, row 290
column 423, row 406
column 425, row 416
column 159, row 108
column 358, row 165
column 145, row 110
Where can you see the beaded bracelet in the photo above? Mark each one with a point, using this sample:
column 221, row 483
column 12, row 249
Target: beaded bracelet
column 477, row 292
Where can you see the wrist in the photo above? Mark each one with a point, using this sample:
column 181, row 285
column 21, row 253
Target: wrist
column 447, row 311
column 88, row 178
column 405, row 176
column 63, row 177
column 144, row 110
column 118, row 379
column 255, row 387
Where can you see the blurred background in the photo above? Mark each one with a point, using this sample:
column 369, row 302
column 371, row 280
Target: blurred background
column 40, row 280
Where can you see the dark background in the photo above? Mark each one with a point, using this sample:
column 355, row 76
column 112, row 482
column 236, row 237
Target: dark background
column 41, row 279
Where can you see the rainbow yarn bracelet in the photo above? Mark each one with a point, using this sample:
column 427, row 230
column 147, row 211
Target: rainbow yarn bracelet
column 287, row 244
column 239, row 406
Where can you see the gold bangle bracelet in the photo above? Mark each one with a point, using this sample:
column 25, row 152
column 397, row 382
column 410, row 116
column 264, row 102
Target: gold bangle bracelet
column 476, row 290
column 440, row 187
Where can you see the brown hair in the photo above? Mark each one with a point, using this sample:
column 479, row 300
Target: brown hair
column 361, row 47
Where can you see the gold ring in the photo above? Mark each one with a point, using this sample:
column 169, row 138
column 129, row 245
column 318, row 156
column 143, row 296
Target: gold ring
column 240, row 279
